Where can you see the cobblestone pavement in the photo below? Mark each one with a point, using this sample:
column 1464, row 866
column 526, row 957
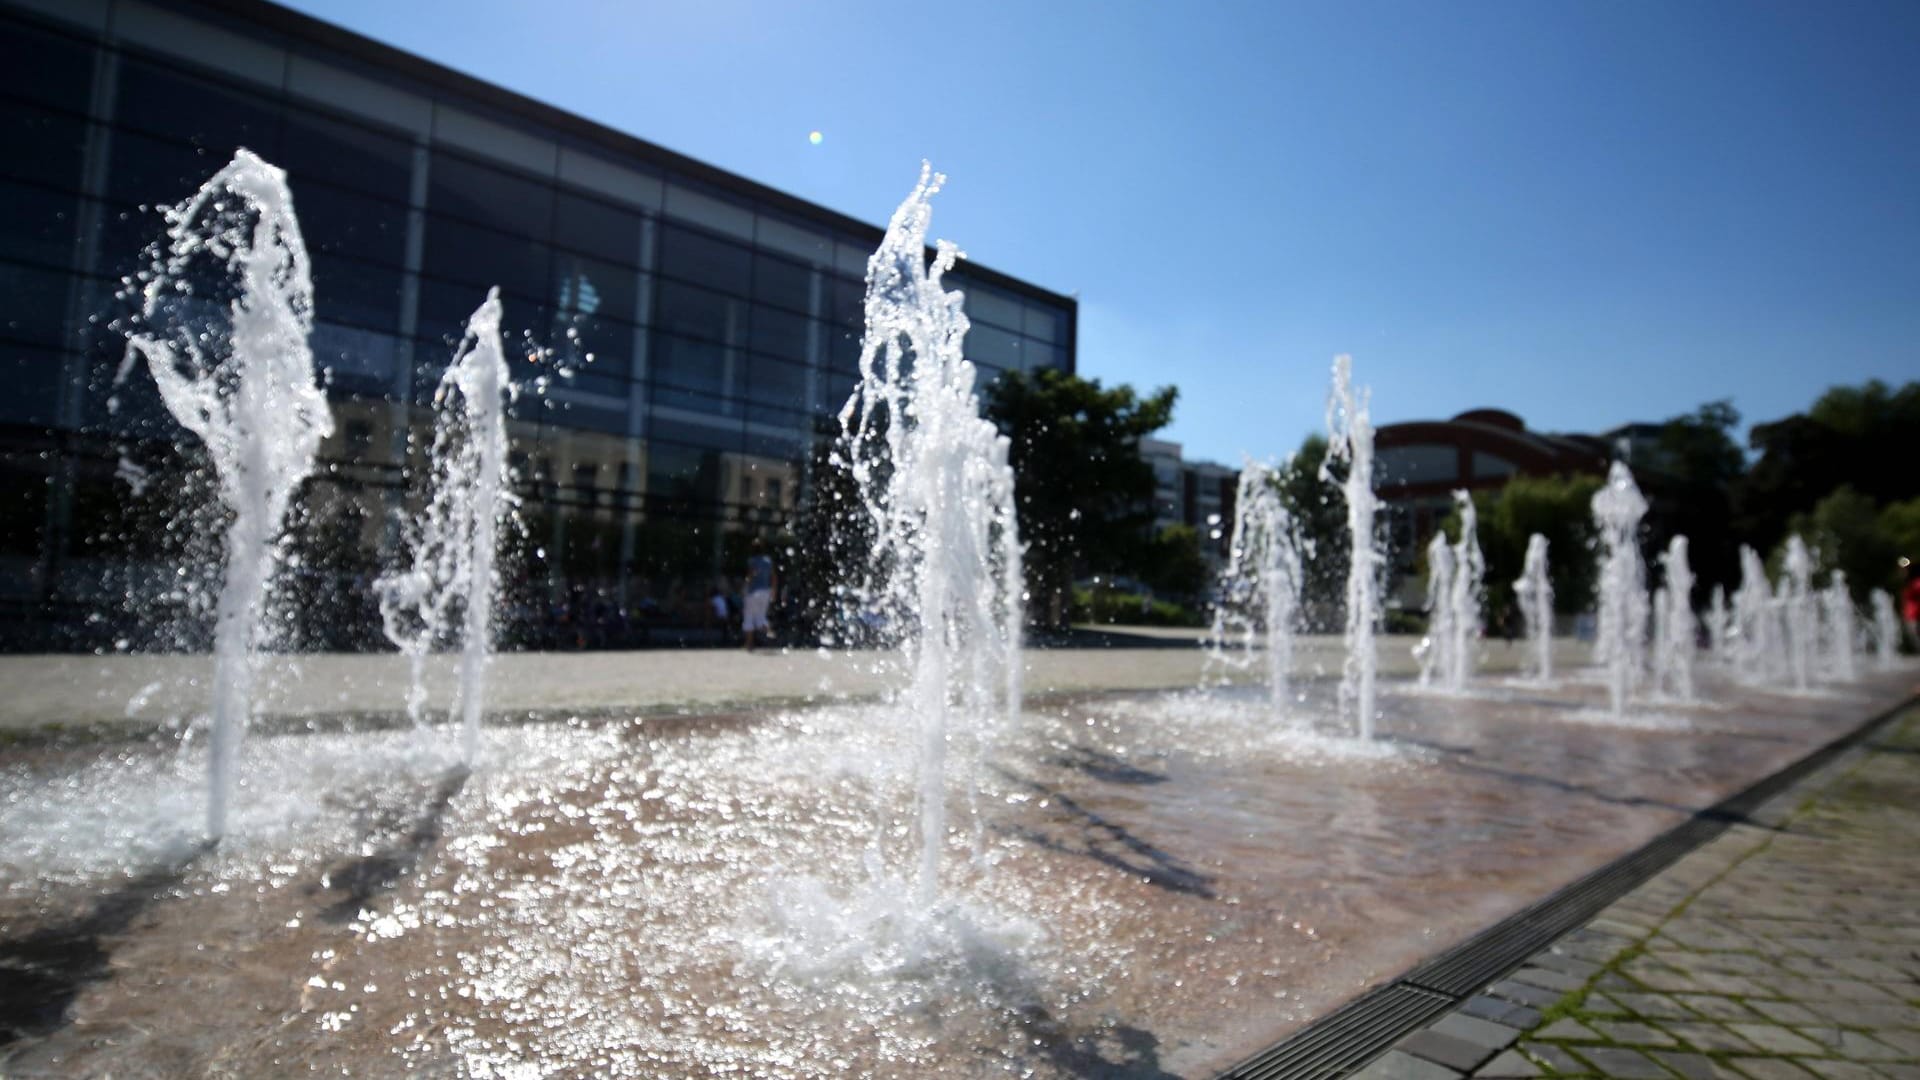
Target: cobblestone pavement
column 1789, row 947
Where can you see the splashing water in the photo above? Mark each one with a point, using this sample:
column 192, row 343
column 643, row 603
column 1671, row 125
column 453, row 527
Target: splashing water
column 453, row 544
column 1839, row 630
column 1719, row 626
column 1886, row 628
column 1463, row 596
column 223, row 328
column 1434, row 648
column 1621, row 642
column 946, row 565
column 1350, row 439
column 1261, row 584
column 1794, row 594
column 1534, row 592
column 1674, row 625
column 1758, row 636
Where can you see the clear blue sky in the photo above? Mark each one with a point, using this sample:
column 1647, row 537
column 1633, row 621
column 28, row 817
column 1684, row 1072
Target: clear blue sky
column 1585, row 212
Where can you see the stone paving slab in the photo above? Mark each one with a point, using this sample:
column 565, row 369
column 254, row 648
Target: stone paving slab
column 1788, row 947
column 142, row 691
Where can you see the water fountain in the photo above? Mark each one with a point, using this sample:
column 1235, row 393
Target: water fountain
column 1886, row 628
column 1675, row 628
column 1794, row 595
column 1758, row 637
column 226, row 311
column 1260, row 586
column 937, row 489
column 1719, row 626
column 1622, row 634
column 1534, row 593
column 453, row 543
column 1433, row 650
column 1839, row 630
column 1463, row 597
column 1350, row 439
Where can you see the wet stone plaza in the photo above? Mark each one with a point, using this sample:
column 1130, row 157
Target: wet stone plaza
column 1165, row 881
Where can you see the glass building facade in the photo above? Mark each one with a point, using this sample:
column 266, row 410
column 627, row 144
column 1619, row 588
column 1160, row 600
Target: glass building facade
column 682, row 334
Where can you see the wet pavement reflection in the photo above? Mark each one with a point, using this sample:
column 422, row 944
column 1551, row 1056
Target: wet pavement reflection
column 1163, row 883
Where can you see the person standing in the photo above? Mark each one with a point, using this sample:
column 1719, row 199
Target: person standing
column 761, row 581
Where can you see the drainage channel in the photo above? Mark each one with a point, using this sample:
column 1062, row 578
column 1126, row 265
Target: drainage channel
column 1368, row 1026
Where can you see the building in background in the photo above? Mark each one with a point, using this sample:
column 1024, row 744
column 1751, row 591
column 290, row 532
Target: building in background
column 1421, row 463
column 692, row 330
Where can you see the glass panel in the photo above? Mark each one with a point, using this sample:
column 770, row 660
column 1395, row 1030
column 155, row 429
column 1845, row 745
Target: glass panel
column 843, row 351
column 356, row 293
column 207, row 114
column 988, row 344
column 771, row 382
column 781, row 334
column 603, row 346
column 688, row 364
column 699, row 313
column 799, row 241
column 315, row 147
column 683, row 473
column 46, row 146
column 787, row 284
column 1431, row 463
column 153, row 172
column 32, row 378
column 590, row 287
column 724, row 435
column 33, row 305
column 714, row 212
column 1485, row 465
column 492, row 197
column 340, row 222
column 482, row 257
column 986, row 304
column 1046, row 323
column 354, row 354
column 37, row 225
column 594, row 227
column 705, row 260
column 849, row 303
column 48, row 68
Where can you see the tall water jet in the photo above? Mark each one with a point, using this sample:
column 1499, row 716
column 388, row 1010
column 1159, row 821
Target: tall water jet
column 1534, row 593
column 1886, row 628
column 1260, row 586
column 453, row 543
column 938, row 491
column 1675, row 627
column 1434, row 649
column 1794, row 594
column 225, row 314
column 1759, row 638
column 1840, row 629
column 1350, row 439
column 1469, row 575
column 1719, row 626
column 1622, row 634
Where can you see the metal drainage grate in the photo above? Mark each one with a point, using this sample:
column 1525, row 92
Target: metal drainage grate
column 1368, row 1026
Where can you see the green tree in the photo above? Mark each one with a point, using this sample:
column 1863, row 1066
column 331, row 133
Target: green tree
column 1172, row 565
column 1844, row 530
column 1696, row 466
column 1559, row 508
column 1855, row 435
column 1084, row 493
column 1319, row 511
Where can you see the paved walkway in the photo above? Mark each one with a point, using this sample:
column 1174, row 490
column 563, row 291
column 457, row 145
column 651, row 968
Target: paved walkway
column 145, row 690
column 1789, row 947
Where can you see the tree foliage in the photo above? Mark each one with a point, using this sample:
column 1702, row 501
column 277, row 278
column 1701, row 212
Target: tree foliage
column 1085, row 495
column 1559, row 508
column 1696, row 466
column 1319, row 511
column 1859, row 436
